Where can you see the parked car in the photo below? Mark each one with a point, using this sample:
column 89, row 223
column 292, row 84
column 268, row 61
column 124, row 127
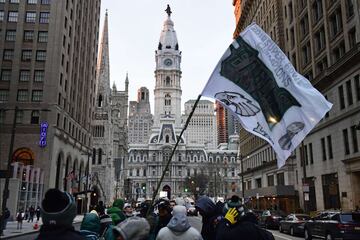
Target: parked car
column 271, row 219
column 294, row 224
column 334, row 225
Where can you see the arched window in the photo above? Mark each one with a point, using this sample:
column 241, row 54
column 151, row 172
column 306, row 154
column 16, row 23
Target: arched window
column 167, row 100
column 35, row 117
column 167, row 138
column 154, row 157
column 100, row 101
column 100, row 153
column 167, row 82
column 94, row 157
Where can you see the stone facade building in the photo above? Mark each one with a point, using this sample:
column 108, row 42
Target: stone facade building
column 140, row 118
column 321, row 38
column 48, row 71
column 147, row 160
column 202, row 127
column 109, row 130
column 323, row 42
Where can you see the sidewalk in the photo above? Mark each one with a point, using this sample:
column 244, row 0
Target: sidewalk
column 27, row 228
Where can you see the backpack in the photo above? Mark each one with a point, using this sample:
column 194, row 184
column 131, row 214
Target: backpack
column 19, row 217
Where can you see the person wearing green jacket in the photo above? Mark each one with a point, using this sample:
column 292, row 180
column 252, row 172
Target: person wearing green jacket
column 90, row 226
column 116, row 208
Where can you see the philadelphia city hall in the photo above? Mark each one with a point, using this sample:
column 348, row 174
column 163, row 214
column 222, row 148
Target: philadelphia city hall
column 147, row 159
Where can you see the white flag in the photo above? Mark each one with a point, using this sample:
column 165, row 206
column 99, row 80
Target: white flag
column 257, row 83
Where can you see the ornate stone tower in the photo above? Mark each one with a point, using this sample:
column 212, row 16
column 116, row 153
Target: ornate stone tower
column 167, row 90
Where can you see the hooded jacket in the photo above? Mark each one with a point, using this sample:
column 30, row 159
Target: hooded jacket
column 179, row 228
column 209, row 213
column 90, row 226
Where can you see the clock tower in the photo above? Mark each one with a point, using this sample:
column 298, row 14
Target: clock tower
column 167, row 90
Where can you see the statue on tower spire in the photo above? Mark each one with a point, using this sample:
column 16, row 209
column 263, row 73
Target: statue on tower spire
column 168, row 10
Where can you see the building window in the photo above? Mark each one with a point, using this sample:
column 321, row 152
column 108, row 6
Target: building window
column 304, row 26
column 249, row 185
column 306, row 54
column 32, row 1
column 349, row 8
column 13, row 16
column 352, row 37
column 100, row 153
column 45, row 2
column 8, row 54
column 349, row 92
column 44, row 17
column 167, row 100
column 35, row 117
column 2, row 16
column 335, row 23
column 40, row 55
column 39, row 76
column 4, row 95
column 338, row 52
column 28, row 36
column 14, row 1
column 311, row 154
column 354, row 139
column 357, row 87
column 331, row 195
column 330, row 150
column 37, row 95
column 30, row 17
column 270, row 180
column 5, row 75
column 24, row 76
column 318, row 10
column 26, row 55
column 22, row 95
column 292, row 38
column 258, row 182
column 10, row 35
column 43, row 37
column 19, row 117
column 341, row 97
column 320, row 40
column 280, row 179
column 323, row 149
column 346, row 141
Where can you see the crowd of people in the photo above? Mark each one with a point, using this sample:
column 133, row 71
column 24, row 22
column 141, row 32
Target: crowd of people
column 163, row 220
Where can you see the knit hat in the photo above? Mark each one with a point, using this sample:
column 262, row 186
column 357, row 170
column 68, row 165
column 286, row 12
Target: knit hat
column 58, row 208
column 134, row 228
column 91, row 222
column 119, row 203
column 234, row 202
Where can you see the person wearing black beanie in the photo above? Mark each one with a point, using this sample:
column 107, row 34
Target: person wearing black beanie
column 58, row 211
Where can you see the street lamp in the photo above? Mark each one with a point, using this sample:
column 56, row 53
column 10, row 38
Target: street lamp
column 7, row 173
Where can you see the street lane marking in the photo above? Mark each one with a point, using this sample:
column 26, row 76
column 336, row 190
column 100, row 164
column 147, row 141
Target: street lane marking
column 282, row 237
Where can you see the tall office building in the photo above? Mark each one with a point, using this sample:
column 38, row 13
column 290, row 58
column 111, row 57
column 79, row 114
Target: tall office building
column 140, row 118
column 48, row 73
column 221, row 123
column 273, row 187
column 323, row 42
column 202, row 127
column 321, row 39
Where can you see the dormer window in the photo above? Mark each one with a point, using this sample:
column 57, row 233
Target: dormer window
column 168, row 46
column 167, row 139
column 159, row 46
column 177, row 47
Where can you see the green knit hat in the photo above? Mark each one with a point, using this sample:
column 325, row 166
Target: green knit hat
column 58, row 208
column 119, row 203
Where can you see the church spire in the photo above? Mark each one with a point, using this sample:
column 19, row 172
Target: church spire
column 103, row 68
column 127, row 82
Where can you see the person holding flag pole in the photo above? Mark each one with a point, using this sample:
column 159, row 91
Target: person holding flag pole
column 257, row 83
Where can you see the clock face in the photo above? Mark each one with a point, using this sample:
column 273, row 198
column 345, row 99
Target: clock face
column 168, row 62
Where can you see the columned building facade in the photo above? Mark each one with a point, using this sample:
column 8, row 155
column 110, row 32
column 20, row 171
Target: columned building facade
column 48, row 71
column 147, row 161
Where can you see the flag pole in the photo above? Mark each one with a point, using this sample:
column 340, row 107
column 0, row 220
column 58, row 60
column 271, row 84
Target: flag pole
column 172, row 153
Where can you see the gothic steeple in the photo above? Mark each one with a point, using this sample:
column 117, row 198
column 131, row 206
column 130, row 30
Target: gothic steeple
column 103, row 68
column 127, row 83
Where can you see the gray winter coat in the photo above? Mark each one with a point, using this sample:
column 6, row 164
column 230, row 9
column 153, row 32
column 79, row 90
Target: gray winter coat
column 179, row 229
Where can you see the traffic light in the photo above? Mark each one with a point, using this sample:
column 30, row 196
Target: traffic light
column 143, row 187
column 186, row 190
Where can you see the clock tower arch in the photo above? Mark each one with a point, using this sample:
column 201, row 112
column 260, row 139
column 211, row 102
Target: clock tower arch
column 167, row 90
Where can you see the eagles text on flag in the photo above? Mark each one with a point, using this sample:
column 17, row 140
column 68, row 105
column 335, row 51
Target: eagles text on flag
column 257, row 83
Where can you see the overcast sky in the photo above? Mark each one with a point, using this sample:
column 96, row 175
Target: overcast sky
column 204, row 29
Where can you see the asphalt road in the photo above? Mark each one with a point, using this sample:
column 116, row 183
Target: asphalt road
column 194, row 222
